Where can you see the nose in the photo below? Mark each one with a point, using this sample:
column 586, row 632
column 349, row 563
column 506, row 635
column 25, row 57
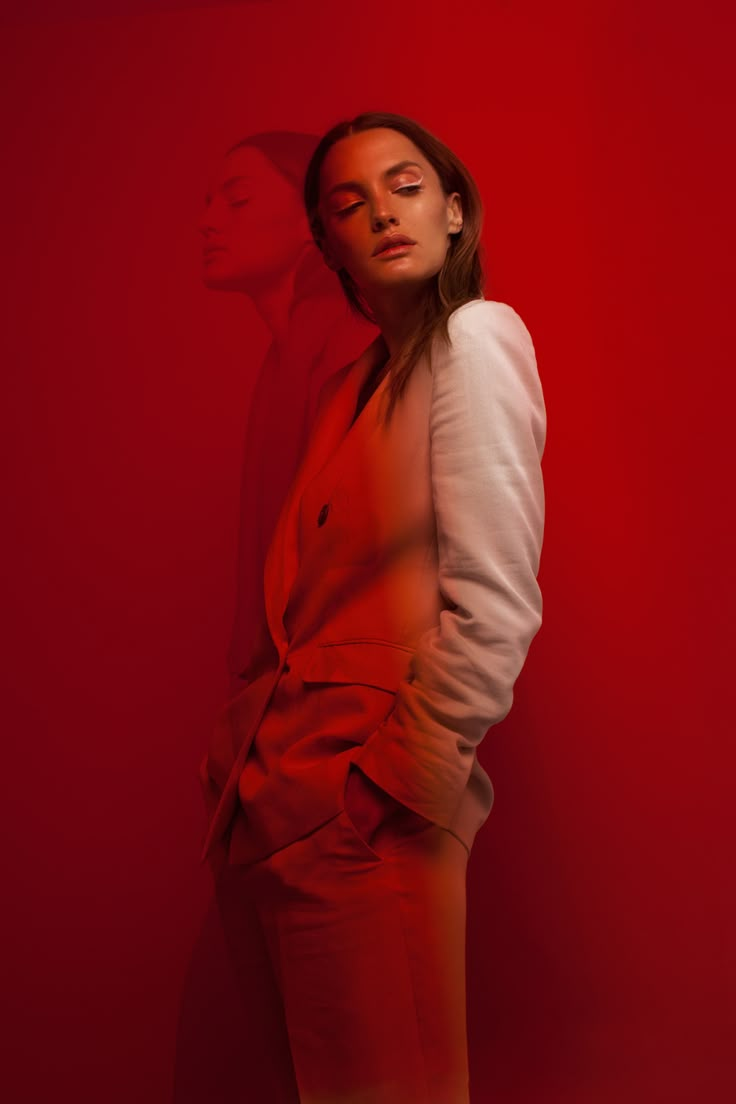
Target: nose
column 205, row 223
column 208, row 219
column 381, row 218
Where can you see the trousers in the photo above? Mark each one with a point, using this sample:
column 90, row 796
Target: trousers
column 350, row 960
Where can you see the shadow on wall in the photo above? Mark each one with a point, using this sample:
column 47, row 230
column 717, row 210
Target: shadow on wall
column 257, row 242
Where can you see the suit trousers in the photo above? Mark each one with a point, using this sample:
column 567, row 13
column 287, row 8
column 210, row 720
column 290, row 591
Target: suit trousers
column 350, row 958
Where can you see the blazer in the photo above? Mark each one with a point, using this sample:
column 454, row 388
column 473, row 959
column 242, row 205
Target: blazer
column 401, row 596
column 322, row 336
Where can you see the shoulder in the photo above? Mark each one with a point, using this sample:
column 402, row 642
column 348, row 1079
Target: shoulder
column 490, row 360
column 488, row 340
column 487, row 380
column 489, row 320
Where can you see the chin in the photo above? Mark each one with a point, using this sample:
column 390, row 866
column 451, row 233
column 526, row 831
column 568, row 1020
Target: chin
column 214, row 279
column 223, row 278
column 400, row 280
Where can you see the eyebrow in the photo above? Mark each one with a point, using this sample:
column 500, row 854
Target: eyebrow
column 397, row 168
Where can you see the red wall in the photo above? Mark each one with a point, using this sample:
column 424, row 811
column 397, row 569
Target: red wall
column 601, row 958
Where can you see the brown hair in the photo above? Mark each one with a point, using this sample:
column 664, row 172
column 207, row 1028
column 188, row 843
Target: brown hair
column 461, row 277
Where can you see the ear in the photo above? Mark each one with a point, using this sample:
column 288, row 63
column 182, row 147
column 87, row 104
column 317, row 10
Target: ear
column 454, row 213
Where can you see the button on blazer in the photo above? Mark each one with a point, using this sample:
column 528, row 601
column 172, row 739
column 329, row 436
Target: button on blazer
column 401, row 595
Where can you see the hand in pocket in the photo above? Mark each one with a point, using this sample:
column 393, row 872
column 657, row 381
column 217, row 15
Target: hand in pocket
column 370, row 808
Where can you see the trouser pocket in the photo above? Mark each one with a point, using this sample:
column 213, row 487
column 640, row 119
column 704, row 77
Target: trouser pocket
column 356, row 837
column 397, row 826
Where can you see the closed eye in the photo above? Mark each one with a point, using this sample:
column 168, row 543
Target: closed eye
column 410, row 188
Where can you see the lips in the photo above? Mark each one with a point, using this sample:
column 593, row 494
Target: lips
column 390, row 241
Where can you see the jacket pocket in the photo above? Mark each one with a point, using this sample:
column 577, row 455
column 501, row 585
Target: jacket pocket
column 378, row 663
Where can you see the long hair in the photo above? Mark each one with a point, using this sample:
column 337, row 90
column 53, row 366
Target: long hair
column 461, row 277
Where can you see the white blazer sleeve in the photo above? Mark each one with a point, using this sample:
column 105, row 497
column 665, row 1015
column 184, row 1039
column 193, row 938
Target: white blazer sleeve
column 487, row 430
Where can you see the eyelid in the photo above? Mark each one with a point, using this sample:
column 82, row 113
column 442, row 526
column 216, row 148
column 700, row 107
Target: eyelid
column 409, row 184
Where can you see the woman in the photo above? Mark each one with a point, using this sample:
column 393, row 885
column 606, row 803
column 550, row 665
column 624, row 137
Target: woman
column 401, row 595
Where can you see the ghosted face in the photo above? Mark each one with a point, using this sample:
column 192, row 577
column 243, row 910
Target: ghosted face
column 253, row 224
column 376, row 183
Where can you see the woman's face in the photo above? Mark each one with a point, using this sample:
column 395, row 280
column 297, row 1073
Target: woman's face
column 253, row 224
column 376, row 183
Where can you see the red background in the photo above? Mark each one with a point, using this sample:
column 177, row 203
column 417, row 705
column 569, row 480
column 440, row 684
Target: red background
column 601, row 962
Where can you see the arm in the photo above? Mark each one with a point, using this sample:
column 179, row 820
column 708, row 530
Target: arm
column 487, row 431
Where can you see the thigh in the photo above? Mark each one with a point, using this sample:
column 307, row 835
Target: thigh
column 427, row 874
column 370, row 952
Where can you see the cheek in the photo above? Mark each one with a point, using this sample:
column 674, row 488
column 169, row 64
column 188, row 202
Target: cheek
column 255, row 238
column 430, row 225
column 440, row 227
column 435, row 249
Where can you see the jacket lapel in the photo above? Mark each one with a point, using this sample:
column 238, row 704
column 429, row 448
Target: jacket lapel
column 331, row 429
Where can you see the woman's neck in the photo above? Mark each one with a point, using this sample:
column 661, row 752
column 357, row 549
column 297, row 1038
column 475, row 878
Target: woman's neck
column 396, row 317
